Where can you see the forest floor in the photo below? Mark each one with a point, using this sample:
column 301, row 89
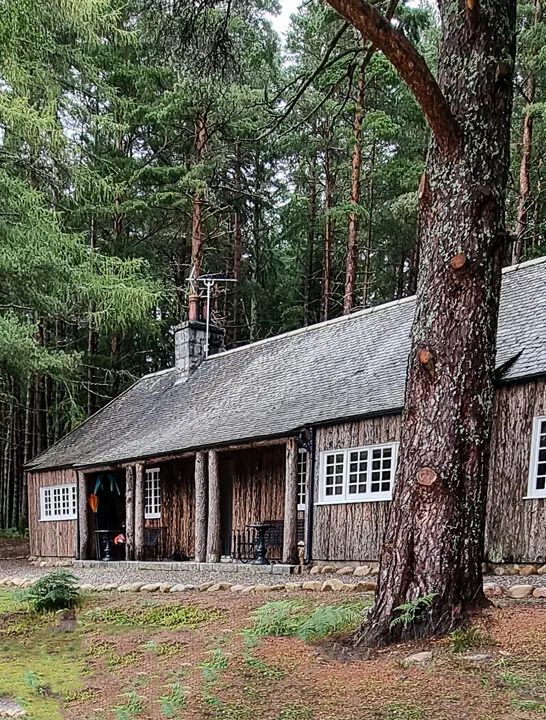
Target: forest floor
column 217, row 657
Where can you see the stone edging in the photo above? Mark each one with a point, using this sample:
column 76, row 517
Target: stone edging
column 515, row 592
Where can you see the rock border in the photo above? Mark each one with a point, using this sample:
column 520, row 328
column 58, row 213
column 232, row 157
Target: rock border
column 514, row 592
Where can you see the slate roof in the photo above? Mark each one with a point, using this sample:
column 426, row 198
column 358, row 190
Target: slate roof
column 350, row 367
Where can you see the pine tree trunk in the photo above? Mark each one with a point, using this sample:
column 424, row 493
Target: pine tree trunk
column 369, row 234
column 435, row 535
column 197, row 235
column 310, row 246
column 328, row 236
column 352, row 242
column 525, row 200
column 237, row 244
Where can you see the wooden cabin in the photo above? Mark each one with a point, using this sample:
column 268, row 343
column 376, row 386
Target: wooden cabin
column 299, row 431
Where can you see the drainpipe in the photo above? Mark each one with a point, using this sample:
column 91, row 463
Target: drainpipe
column 310, row 498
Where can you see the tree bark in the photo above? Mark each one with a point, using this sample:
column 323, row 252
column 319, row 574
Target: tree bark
column 214, row 538
column 435, row 534
column 139, row 511
column 369, row 235
column 310, row 248
column 237, row 244
column 290, row 533
column 525, row 199
column 328, row 236
column 200, row 508
column 197, row 235
column 129, row 512
column 352, row 242
column 83, row 517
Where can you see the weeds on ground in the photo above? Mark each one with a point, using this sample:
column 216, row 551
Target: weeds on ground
column 212, row 671
column 132, row 708
column 174, row 701
column 529, row 689
column 293, row 618
column 261, row 669
column 296, row 711
column 170, row 616
column 115, row 661
column 469, row 638
column 401, row 711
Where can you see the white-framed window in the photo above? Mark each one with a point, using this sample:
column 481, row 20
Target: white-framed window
column 360, row 474
column 302, row 479
column 58, row 502
column 152, row 494
column 537, row 466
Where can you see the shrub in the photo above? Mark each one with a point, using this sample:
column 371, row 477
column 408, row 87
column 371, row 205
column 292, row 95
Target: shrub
column 56, row 591
column 467, row 638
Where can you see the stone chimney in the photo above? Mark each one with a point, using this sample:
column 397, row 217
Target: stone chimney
column 189, row 345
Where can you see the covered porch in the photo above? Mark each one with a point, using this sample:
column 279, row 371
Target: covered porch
column 227, row 505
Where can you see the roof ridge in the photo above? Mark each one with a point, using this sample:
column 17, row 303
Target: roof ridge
column 315, row 326
column 525, row 264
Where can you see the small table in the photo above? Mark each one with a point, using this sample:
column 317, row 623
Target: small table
column 261, row 549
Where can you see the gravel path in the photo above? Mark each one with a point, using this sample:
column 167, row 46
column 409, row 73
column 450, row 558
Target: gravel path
column 105, row 574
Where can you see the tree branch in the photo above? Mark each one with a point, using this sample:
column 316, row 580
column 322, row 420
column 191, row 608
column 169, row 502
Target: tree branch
column 409, row 63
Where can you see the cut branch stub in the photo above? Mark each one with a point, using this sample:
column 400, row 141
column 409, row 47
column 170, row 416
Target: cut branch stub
column 427, row 476
column 427, row 360
column 457, row 261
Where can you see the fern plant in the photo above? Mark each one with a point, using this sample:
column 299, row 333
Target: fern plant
column 55, row 591
column 413, row 611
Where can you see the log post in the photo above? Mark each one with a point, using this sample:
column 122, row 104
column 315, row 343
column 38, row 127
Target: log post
column 83, row 517
column 129, row 512
column 214, row 539
column 290, row 534
column 139, row 511
column 200, row 507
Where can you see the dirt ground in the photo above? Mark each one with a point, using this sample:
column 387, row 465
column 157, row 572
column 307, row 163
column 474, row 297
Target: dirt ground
column 216, row 669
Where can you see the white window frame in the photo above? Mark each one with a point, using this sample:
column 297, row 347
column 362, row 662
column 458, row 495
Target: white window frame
column 58, row 508
column 345, row 497
column 152, row 503
column 532, row 490
column 303, row 470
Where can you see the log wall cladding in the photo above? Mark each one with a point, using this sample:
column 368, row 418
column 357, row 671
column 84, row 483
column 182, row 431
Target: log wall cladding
column 257, row 477
column 52, row 538
column 516, row 527
column 351, row 531
column 177, row 508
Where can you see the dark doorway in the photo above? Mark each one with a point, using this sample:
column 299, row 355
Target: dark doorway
column 109, row 520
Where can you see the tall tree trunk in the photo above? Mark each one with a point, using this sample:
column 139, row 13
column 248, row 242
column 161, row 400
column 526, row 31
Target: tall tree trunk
column 434, row 540
column 310, row 246
column 525, row 199
column 197, row 234
column 256, row 255
column 328, row 235
column 237, row 243
column 369, row 233
column 352, row 242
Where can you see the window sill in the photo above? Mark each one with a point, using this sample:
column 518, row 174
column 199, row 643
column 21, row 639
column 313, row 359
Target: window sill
column 352, row 502
column 534, row 497
column 59, row 519
column 153, row 516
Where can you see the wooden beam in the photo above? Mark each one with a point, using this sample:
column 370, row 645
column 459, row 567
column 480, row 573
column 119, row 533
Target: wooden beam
column 139, row 511
column 290, row 535
column 129, row 512
column 214, row 538
column 83, row 517
column 200, row 507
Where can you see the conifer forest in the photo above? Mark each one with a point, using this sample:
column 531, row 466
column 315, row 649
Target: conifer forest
column 147, row 143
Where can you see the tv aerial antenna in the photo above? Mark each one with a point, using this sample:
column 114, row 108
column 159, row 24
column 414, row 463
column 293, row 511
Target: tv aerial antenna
column 209, row 281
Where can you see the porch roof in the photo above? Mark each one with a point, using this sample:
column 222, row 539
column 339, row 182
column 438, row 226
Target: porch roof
column 349, row 367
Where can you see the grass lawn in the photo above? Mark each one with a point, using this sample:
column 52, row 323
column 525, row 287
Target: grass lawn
column 230, row 657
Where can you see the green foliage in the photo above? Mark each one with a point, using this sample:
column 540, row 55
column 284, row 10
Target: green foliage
column 52, row 592
column 403, row 711
column 293, row 618
column 262, row 669
column 173, row 702
column 413, row 612
column 131, row 708
column 169, row 616
column 467, row 638
column 14, row 533
column 296, row 711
